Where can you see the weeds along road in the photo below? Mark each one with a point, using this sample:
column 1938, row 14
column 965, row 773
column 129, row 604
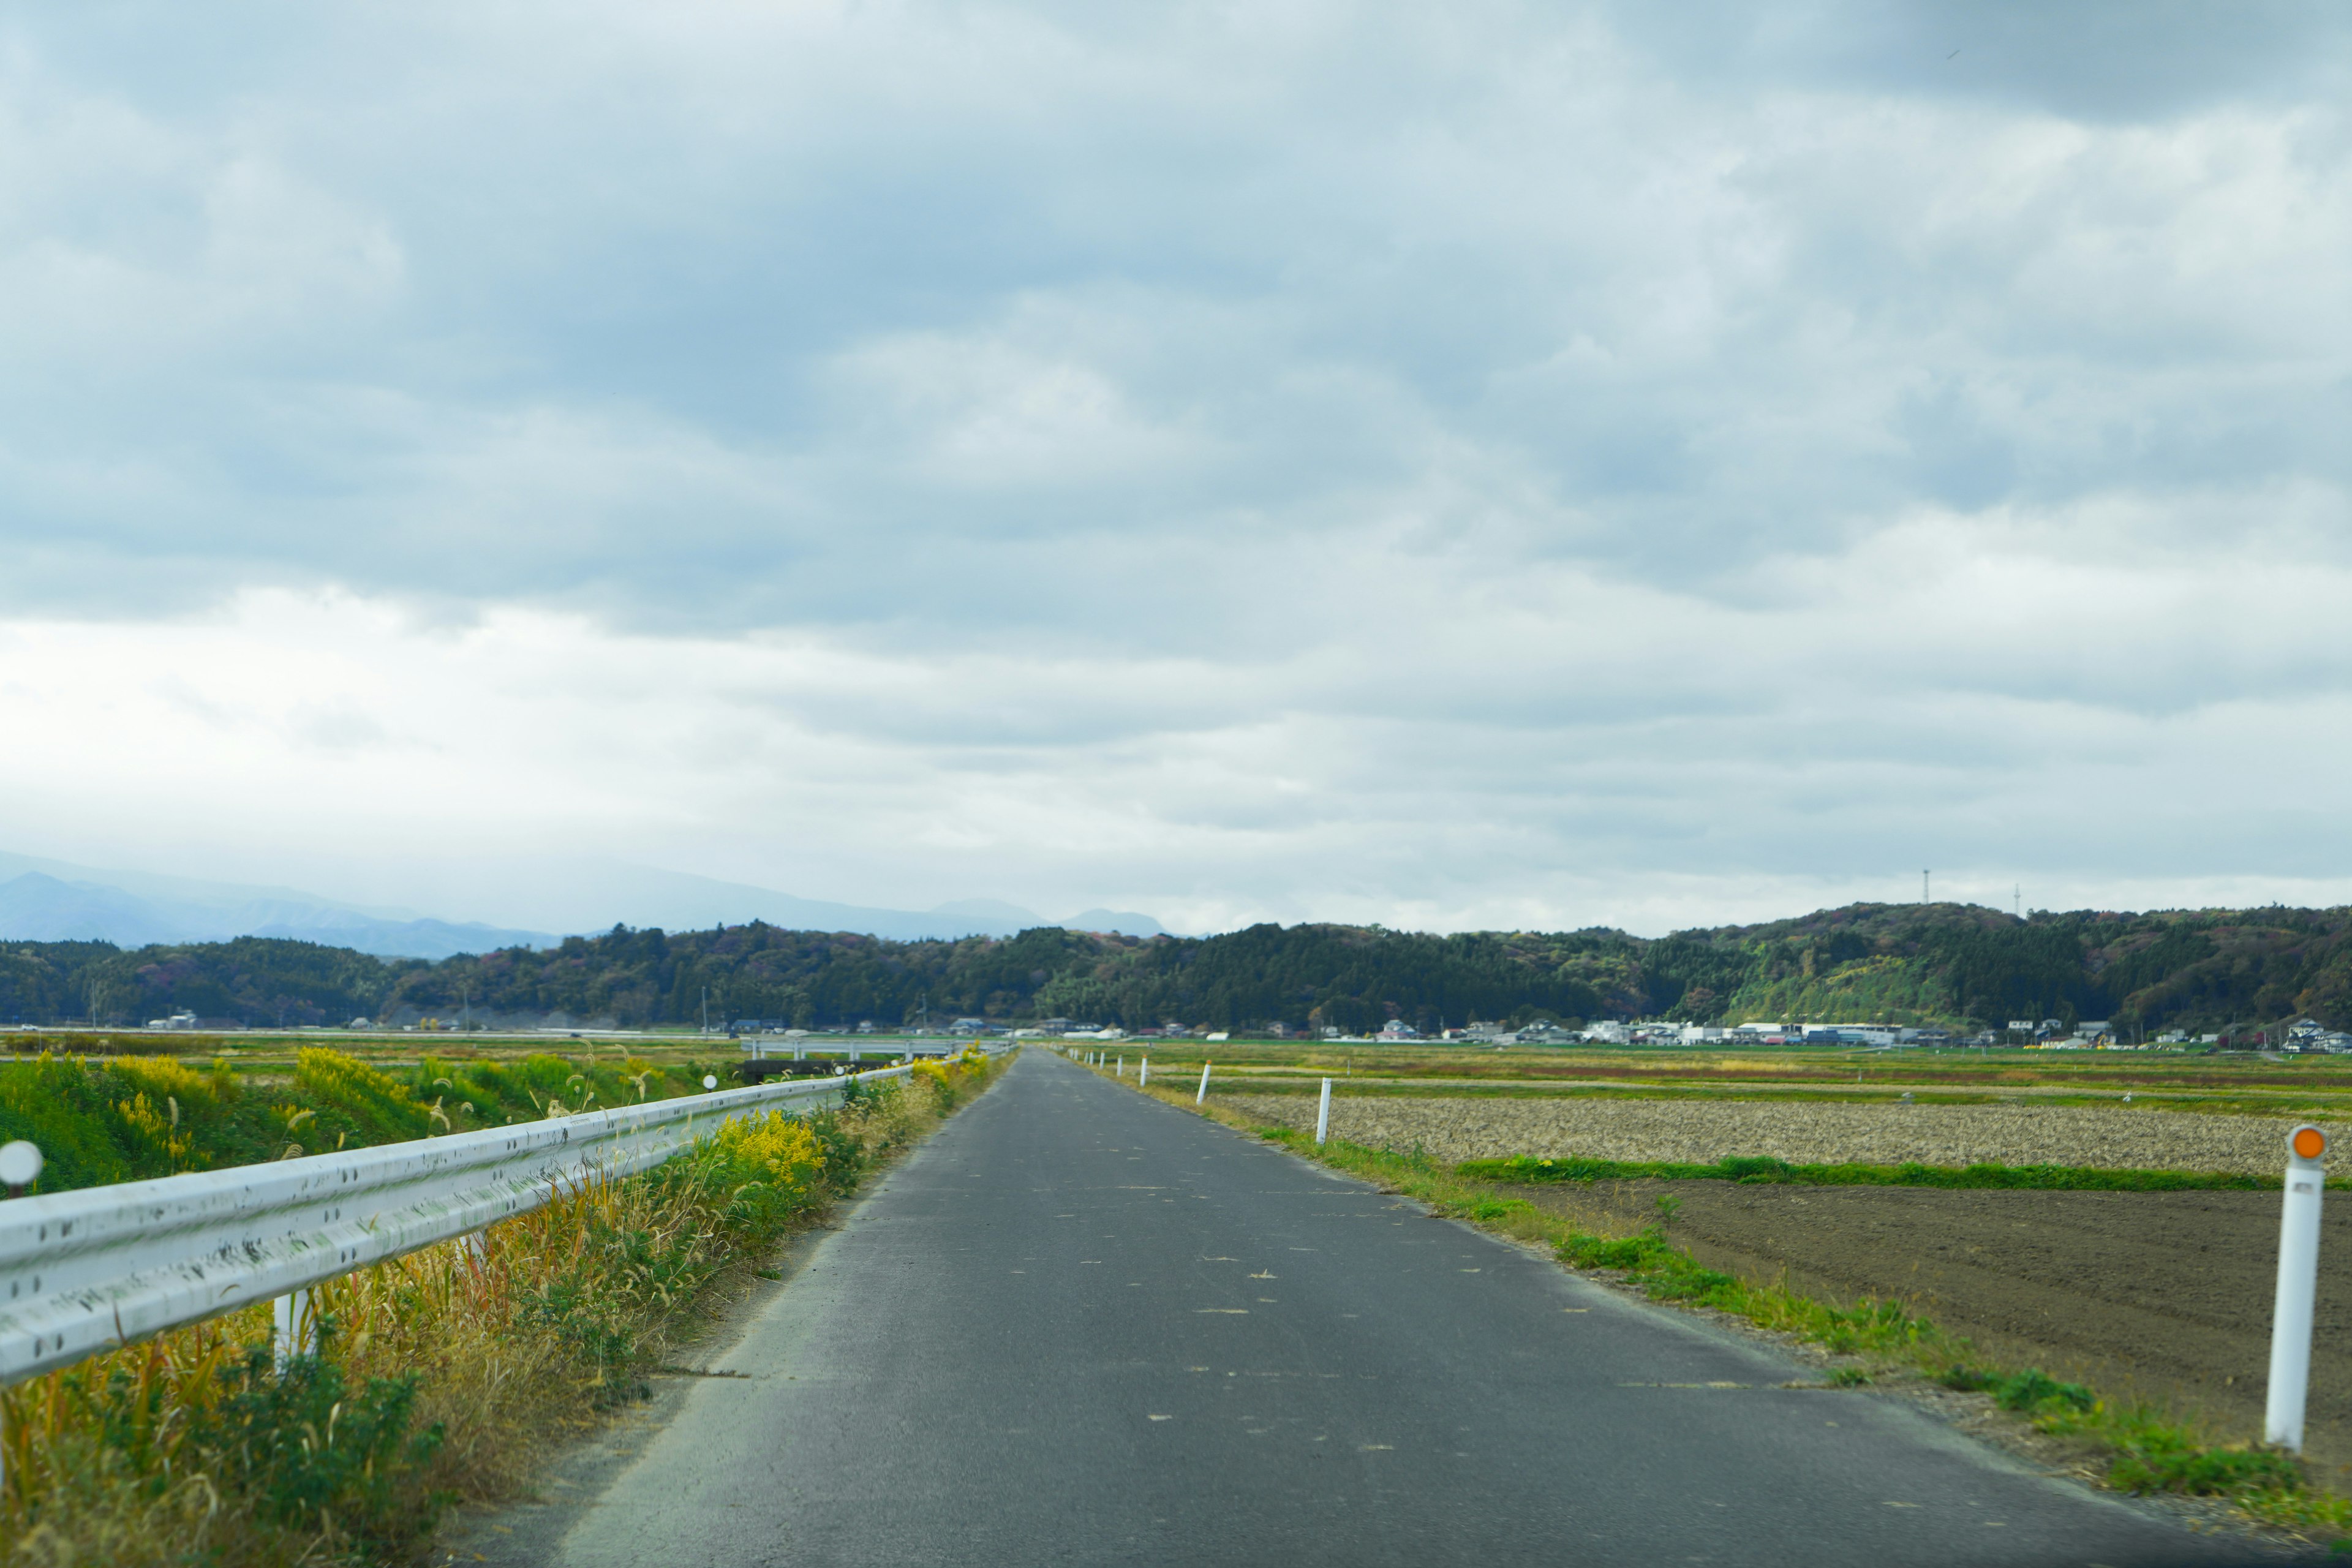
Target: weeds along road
column 1080, row 1327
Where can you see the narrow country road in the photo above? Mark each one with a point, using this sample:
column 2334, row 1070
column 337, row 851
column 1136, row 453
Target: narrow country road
column 1080, row 1327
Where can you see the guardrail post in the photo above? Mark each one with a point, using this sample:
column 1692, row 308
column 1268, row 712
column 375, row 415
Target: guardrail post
column 1323, row 1113
column 1203, row 1098
column 2298, row 1287
column 297, row 1327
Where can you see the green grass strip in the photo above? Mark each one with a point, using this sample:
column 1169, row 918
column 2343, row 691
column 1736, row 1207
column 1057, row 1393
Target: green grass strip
column 1524, row 1168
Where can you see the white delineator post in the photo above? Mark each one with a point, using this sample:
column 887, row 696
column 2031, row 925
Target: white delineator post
column 1201, row 1097
column 1122, row 1067
column 1143, row 1074
column 1323, row 1113
column 2298, row 1285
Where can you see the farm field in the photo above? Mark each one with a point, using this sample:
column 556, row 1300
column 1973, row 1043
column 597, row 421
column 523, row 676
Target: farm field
column 2160, row 1296
column 2311, row 1088
column 1454, row 1127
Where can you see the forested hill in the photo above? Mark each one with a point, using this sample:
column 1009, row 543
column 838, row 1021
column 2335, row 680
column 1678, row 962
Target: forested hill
column 1959, row 965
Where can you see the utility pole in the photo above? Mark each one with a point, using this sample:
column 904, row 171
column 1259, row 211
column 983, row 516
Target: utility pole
column 706, row 1009
column 1923, row 888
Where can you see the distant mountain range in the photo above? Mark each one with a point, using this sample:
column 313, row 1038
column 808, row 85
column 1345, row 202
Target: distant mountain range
column 86, row 905
column 55, row 900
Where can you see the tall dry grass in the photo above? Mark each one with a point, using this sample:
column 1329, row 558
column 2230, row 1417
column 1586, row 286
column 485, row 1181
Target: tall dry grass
column 443, row 1376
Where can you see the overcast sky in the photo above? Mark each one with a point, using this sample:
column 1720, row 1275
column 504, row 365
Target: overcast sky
column 1477, row 465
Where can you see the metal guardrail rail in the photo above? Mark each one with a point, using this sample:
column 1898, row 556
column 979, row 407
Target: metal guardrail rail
column 82, row 1272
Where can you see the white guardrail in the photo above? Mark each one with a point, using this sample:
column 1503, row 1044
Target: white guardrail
column 85, row 1271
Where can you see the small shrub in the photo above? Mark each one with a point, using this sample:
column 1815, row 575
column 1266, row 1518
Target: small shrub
column 2159, row 1456
column 315, row 1454
column 2034, row 1390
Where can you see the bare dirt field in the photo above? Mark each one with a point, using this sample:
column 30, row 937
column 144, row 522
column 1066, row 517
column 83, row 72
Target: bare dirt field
column 1480, row 1127
column 2162, row 1297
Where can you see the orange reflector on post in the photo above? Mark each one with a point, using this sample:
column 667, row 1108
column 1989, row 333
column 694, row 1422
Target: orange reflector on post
column 2308, row 1143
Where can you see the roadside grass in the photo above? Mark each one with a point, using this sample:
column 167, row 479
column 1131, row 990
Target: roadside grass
column 2147, row 1449
column 443, row 1376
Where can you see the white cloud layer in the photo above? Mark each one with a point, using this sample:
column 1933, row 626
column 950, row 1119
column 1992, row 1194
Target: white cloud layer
column 1506, row 465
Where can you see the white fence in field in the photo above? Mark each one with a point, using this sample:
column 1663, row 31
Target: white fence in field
column 82, row 1272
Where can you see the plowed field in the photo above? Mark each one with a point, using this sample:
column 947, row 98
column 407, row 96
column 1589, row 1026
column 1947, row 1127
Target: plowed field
column 2164, row 1296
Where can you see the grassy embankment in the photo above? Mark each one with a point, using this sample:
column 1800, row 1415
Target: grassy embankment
column 2145, row 1450
column 442, row 1377
column 128, row 1118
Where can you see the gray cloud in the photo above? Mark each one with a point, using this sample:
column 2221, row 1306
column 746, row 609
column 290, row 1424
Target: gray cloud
column 2074, row 57
column 1439, row 462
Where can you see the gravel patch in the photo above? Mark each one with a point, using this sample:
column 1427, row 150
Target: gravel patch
column 1456, row 1128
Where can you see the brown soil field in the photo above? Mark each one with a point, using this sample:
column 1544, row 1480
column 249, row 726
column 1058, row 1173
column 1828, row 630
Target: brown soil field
column 2155, row 1297
column 1479, row 1127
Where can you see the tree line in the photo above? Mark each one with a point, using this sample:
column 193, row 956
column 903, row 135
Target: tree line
column 1951, row 964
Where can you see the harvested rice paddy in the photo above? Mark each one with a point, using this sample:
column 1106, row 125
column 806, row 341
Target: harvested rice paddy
column 1456, row 1128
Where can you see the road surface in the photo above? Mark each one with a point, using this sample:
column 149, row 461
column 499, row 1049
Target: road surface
column 1080, row 1327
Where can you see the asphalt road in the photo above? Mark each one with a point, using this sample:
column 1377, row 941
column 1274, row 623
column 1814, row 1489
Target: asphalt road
column 1080, row 1327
